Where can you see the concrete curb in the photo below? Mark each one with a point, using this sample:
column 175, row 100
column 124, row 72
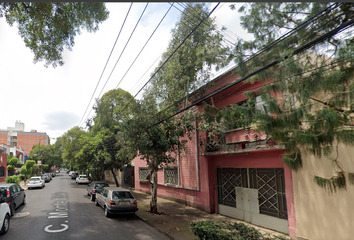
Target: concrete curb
column 140, row 217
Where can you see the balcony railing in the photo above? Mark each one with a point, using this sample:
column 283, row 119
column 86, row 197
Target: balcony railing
column 238, row 140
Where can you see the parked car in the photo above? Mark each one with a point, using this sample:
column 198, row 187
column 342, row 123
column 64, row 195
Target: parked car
column 74, row 175
column 95, row 187
column 82, row 179
column 5, row 214
column 116, row 200
column 45, row 177
column 14, row 195
column 52, row 174
column 36, row 182
column 49, row 175
column 70, row 173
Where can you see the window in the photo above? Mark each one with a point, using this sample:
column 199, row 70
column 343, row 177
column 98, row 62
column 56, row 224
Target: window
column 171, row 175
column 143, row 174
column 122, row 195
column 261, row 104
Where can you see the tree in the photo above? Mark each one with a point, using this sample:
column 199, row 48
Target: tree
column 190, row 66
column 13, row 161
column 29, row 168
column 312, row 66
column 72, row 142
column 46, row 27
column 111, row 151
column 185, row 66
column 156, row 144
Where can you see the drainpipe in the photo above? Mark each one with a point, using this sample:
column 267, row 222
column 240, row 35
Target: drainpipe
column 196, row 154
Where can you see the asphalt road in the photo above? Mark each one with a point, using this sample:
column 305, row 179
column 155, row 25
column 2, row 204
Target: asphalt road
column 62, row 210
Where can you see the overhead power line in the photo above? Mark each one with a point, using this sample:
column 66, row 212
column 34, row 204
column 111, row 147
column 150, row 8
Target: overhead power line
column 122, row 52
column 295, row 52
column 106, row 63
column 163, row 64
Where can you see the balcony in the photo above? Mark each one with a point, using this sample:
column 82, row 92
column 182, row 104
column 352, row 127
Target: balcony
column 239, row 141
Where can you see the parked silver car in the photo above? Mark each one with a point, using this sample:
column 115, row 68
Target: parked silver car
column 36, row 182
column 116, row 200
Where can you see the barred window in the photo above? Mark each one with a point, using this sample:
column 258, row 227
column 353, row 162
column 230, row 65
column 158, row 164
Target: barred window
column 2, row 172
column 171, row 175
column 143, row 173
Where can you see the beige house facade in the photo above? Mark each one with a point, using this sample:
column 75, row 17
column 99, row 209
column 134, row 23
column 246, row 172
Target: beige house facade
column 321, row 215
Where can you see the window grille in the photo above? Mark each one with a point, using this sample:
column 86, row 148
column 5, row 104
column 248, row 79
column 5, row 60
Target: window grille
column 143, row 174
column 171, row 175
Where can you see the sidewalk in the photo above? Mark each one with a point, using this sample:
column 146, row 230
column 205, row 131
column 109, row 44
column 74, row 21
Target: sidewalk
column 174, row 219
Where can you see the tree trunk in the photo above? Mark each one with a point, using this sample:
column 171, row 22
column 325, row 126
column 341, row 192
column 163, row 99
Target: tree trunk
column 153, row 188
column 115, row 177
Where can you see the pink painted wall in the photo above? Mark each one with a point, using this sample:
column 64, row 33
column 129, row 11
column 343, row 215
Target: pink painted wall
column 259, row 159
column 188, row 192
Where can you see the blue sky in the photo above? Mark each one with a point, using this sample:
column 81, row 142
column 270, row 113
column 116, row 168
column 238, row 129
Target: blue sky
column 54, row 100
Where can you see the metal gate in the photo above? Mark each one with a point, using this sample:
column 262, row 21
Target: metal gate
column 129, row 180
column 255, row 195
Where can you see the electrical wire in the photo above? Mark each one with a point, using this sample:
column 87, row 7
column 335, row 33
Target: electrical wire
column 122, row 52
column 169, row 57
column 295, row 52
column 106, row 62
column 145, row 45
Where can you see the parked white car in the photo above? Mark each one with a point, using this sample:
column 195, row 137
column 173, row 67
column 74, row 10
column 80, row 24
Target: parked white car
column 82, row 179
column 4, row 216
column 36, row 182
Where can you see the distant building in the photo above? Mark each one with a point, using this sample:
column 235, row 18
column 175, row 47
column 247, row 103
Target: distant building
column 23, row 141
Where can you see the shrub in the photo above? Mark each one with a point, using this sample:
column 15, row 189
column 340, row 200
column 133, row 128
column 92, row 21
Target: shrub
column 11, row 167
column 13, row 179
column 209, row 230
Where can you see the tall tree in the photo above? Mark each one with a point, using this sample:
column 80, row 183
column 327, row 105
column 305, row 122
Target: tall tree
column 194, row 49
column 46, row 27
column 190, row 66
column 110, row 113
column 305, row 51
column 156, row 144
column 72, row 141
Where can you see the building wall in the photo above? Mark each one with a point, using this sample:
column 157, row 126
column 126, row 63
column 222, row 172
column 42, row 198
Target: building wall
column 26, row 140
column 187, row 192
column 3, row 163
column 320, row 215
column 3, row 137
column 258, row 159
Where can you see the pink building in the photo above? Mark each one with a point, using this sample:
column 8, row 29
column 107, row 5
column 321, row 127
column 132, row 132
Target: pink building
column 242, row 177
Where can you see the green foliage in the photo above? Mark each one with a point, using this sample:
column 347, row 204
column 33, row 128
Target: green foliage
column 209, row 230
column 47, row 27
column 13, row 161
column 215, row 230
column 315, row 109
column 45, row 168
column 72, row 142
column 30, row 163
column 332, row 184
column 190, row 67
column 10, row 167
column 13, row 179
column 106, row 148
column 35, row 169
